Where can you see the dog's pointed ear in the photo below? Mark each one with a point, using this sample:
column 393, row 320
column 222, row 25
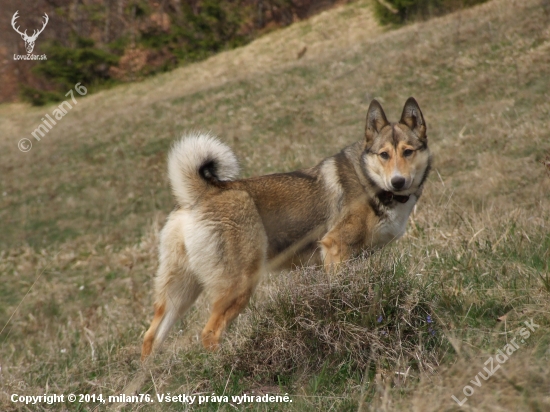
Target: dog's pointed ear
column 412, row 117
column 376, row 121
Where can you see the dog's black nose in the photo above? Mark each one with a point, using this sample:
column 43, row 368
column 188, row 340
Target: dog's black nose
column 398, row 182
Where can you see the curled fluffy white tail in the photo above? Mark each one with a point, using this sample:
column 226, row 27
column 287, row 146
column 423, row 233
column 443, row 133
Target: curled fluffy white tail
column 196, row 163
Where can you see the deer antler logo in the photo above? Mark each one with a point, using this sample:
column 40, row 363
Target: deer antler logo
column 29, row 40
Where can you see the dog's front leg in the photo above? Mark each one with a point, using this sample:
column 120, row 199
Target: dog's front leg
column 343, row 240
column 349, row 236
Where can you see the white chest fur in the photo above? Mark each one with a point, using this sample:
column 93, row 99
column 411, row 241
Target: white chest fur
column 393, row 225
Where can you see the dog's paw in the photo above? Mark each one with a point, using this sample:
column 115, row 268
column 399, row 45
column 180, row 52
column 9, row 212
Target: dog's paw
column 210, row 341
column 331, row 252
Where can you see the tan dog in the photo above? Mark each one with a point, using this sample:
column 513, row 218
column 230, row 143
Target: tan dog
column 225, row 233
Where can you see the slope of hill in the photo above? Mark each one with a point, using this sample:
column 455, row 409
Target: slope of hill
column 81, row 211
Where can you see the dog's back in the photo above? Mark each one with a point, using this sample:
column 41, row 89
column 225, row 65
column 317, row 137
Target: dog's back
column 291, row 206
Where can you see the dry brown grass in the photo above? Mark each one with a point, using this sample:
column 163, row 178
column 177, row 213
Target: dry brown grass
column 81, row 212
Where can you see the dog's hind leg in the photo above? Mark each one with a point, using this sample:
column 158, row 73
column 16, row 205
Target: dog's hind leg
column 174, row 299
column 167, row 311
column 149, row 339
column 225, row 310
column 232, row 280
column 176, row 288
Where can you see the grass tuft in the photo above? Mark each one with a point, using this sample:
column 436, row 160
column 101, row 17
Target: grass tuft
column 369, row 309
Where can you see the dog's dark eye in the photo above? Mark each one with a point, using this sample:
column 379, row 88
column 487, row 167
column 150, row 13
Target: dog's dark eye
column 384, row 155
column 407, row 152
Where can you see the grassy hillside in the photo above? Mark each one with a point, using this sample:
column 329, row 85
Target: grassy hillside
column 405, row 329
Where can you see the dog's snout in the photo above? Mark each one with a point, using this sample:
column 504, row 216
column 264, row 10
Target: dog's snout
column 398, row 182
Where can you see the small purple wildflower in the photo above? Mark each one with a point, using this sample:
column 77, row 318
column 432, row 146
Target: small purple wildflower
column 379, row 319
column 429, row 319
column 432, row 331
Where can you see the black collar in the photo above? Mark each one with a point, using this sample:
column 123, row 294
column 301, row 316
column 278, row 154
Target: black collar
column 387, row 197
